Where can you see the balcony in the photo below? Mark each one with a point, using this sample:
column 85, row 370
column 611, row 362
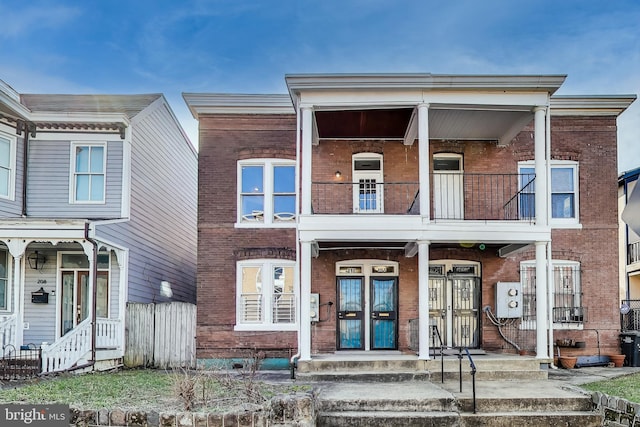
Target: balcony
column 454, row 196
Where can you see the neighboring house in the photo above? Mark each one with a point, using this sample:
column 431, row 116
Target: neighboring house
column 629, row 248
column 367, row 212
column 97, row 209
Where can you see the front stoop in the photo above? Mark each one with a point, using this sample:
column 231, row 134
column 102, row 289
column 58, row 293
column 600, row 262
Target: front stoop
column 510, row 391
column 341, row 367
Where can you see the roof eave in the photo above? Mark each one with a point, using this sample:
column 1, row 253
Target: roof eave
column 591, row 105
column 296, row 83
column 218, row 103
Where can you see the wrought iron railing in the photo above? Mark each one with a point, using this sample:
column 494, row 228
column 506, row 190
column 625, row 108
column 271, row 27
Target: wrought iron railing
column 20, row 363
column 454, row 196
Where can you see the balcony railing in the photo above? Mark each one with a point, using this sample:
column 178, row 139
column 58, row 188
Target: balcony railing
column 454, row 196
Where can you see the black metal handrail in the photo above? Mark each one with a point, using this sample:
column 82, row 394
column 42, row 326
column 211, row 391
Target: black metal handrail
column 473, row 377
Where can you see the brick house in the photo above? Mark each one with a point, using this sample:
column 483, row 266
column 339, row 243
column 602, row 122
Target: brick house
column 402, row 212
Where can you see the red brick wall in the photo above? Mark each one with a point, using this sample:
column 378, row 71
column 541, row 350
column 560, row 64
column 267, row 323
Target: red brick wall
column 224, row 140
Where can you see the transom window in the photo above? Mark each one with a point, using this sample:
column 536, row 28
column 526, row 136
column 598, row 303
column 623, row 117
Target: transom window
column 564, row 192
column 267, row 191
column 89, row 164
column 266, row 295
column 7, row 166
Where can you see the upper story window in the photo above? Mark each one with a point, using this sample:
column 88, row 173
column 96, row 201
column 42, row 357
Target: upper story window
column 564, row 192
column 88, row 163
column 7, row 166
column 368, row 183
column 266, row 295
column 267, row 191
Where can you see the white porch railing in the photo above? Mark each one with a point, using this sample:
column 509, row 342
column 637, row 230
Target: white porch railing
column 8, row 327
column 66, row 351
column 108, row 334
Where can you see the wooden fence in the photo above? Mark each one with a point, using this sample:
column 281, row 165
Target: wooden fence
column 161, row 335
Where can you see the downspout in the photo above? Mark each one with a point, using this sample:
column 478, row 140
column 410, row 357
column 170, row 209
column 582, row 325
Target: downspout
column 294, row 359
column 24, row 128
column 94, row 299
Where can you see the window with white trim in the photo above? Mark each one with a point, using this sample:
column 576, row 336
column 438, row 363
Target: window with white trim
column 564, row 191
column 7, row 166
column 567, row 292
column 368, row 179
column 266, row 294
column 88, row 166
column 266, row 191
column 4, row 279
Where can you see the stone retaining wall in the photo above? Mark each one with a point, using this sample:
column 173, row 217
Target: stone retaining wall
column 618, row 412
column 290, row 410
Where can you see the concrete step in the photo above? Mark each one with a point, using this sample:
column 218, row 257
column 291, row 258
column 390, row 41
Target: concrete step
column 454, row 419
column 404, row 369
column 388, row 419
column 520, row 419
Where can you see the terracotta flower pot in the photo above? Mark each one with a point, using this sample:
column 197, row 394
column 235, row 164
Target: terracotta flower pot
column 617, row 359
column 568, row 362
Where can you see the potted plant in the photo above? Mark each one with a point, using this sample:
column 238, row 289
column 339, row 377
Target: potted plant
column 617, row 359
column 568, row 362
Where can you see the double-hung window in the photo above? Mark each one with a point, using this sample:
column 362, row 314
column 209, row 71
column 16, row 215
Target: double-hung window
column 4, row 279
column 564, row 192
column 7, row 166
column 567, row 293
column 267, row 191
column 266, row 295
column 88, row 173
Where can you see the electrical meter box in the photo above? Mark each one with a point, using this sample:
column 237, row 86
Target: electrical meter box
column 508, row 300
column 314, row 309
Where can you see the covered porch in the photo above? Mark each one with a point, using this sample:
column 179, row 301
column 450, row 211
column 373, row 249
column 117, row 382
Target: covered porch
column 63, row 295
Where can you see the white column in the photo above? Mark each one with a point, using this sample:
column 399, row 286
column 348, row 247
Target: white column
column 307, row 140
column 541, row 191
column 17, row 250
column 541, row 300
column 423, row 300
column 304, row 344
column 18, row 298
column 424, row 160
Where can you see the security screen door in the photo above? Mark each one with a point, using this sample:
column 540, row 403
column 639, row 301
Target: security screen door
column 454, row 301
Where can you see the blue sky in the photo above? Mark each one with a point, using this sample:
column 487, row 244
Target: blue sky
column 175, row 46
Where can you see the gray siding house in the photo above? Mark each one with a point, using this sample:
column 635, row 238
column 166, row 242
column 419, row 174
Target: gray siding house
column 98, row 199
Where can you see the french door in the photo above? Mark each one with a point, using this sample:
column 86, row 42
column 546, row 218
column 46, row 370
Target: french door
column 75, row 300
column 367, row 316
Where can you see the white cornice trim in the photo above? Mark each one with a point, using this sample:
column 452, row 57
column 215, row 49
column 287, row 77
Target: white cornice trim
column 297, row 83
column 11, row 98
column 219, row 103
column 590, row 105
